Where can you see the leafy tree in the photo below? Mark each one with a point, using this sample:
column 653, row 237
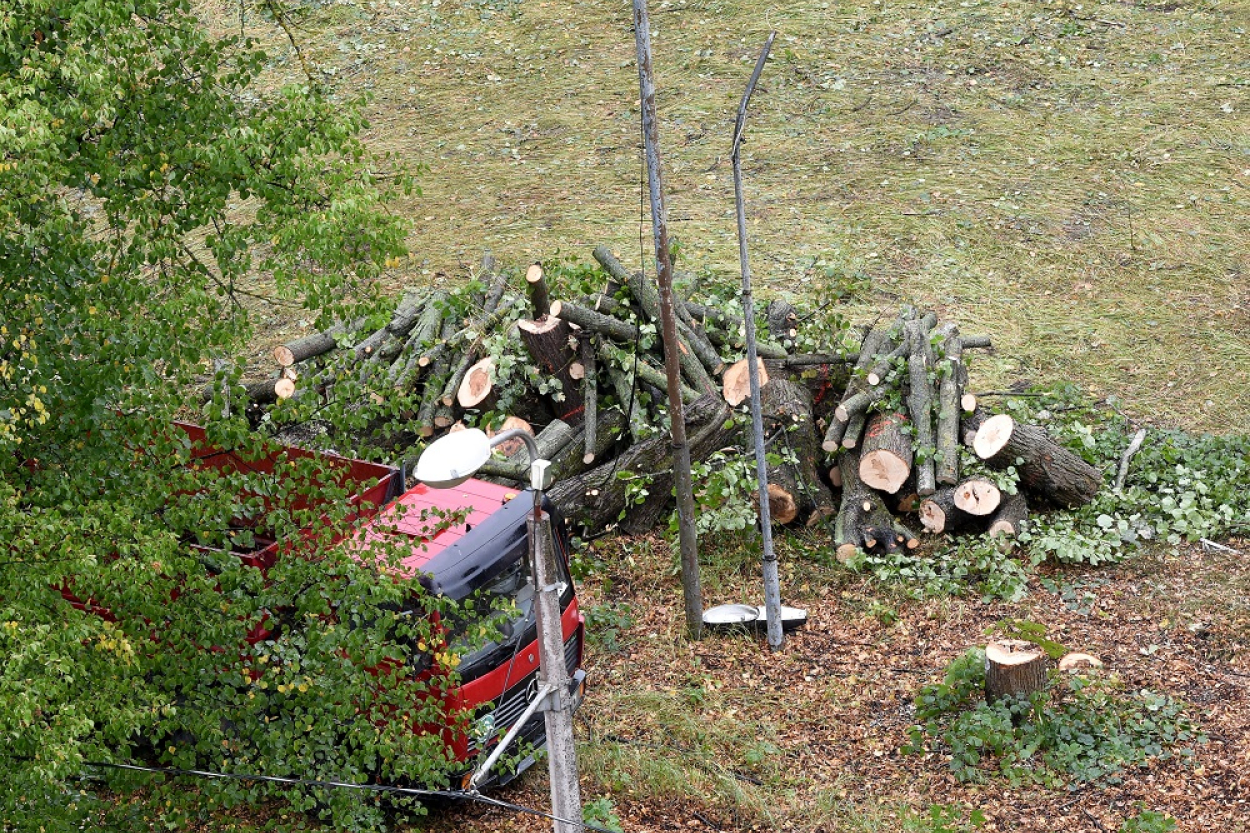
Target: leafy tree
column 147, row 180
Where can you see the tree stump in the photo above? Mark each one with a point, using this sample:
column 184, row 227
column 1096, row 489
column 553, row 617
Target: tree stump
column 1013, row 667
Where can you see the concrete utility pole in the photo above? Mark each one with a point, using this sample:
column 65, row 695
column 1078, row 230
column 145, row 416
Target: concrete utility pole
column 566, row 799
column 687, row 536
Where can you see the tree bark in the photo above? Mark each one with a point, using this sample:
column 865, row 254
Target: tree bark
column 540, row 299
column 938, row 513
column 314, row 344
column 950, row 384
column 1049, row 473
column 1011, row 514
column 596, row 322
column 596, row 499
column 550, row 441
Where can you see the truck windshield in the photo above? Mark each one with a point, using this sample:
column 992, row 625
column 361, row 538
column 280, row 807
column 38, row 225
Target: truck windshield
column 500, row 612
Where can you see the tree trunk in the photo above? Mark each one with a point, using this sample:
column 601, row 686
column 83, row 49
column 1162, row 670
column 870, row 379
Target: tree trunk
column 863, row 521
column 783, row 321
column 920, row 400
column 477, row 388
column 950, row 384
column 938, row 513
column 540, row 299
column 550, row 441
column 595, row 321
column 736, row 383
column 1049, row 473
column 1011, row 514
column 314, row 344
column 1013, row 667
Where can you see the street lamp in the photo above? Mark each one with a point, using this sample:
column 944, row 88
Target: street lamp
column 447, row 463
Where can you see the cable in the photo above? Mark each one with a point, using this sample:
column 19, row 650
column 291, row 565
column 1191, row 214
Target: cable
column 455, row 795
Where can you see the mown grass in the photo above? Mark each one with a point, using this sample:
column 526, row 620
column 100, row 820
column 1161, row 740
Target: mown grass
column 1071, row 178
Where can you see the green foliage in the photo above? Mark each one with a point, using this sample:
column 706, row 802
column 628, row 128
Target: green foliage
column 970, row 563
column 1034, row 632
column 149, row 184
column 602, row 813
column 724, row 493
column 1084, row 729
column 1148, row 821
column 943, row 818
column 605, row 622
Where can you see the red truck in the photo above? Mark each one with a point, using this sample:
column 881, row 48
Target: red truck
column 481, row 552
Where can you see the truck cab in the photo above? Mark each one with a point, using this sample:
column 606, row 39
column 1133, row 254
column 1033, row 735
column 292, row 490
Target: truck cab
column 478, row 552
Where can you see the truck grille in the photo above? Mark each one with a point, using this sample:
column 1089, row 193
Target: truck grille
column 516, row 699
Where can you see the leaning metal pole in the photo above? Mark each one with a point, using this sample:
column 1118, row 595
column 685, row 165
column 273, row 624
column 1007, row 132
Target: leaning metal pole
column 687, row 536
column 772, row 589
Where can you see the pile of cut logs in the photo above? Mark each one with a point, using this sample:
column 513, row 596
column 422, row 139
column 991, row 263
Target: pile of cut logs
column 882, row 426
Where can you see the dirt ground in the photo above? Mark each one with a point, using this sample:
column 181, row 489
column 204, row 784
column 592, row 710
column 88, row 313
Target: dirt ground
column 834, row 705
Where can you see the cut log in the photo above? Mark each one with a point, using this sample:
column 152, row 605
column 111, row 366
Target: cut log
column 736, row 383
column 920, row 400
column 783, row 321
column 595, row 321
column 938, row 513
column 314, row 344
column 596, row 499
column 550, row 442
column 977, row 496
column 946, row 428
column 477, row 390
column 1078, row 661
column 507, row 448
column 256, row 393
column 863, row 521
column 1007, row 521
column 590, row 397
column 787, row 412
column 886, row 458
column 1013, row 668
column 284, row 388
column 540, row 299
column 1049, row 473
column 854, row 430
column 551, row 344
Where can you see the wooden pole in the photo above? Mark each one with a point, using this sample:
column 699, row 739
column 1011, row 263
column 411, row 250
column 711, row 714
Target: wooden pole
column 688, row 542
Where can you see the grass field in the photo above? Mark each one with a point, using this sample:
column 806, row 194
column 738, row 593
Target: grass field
column 1072, row 179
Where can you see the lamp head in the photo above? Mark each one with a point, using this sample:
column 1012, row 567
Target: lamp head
column 453, row 459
